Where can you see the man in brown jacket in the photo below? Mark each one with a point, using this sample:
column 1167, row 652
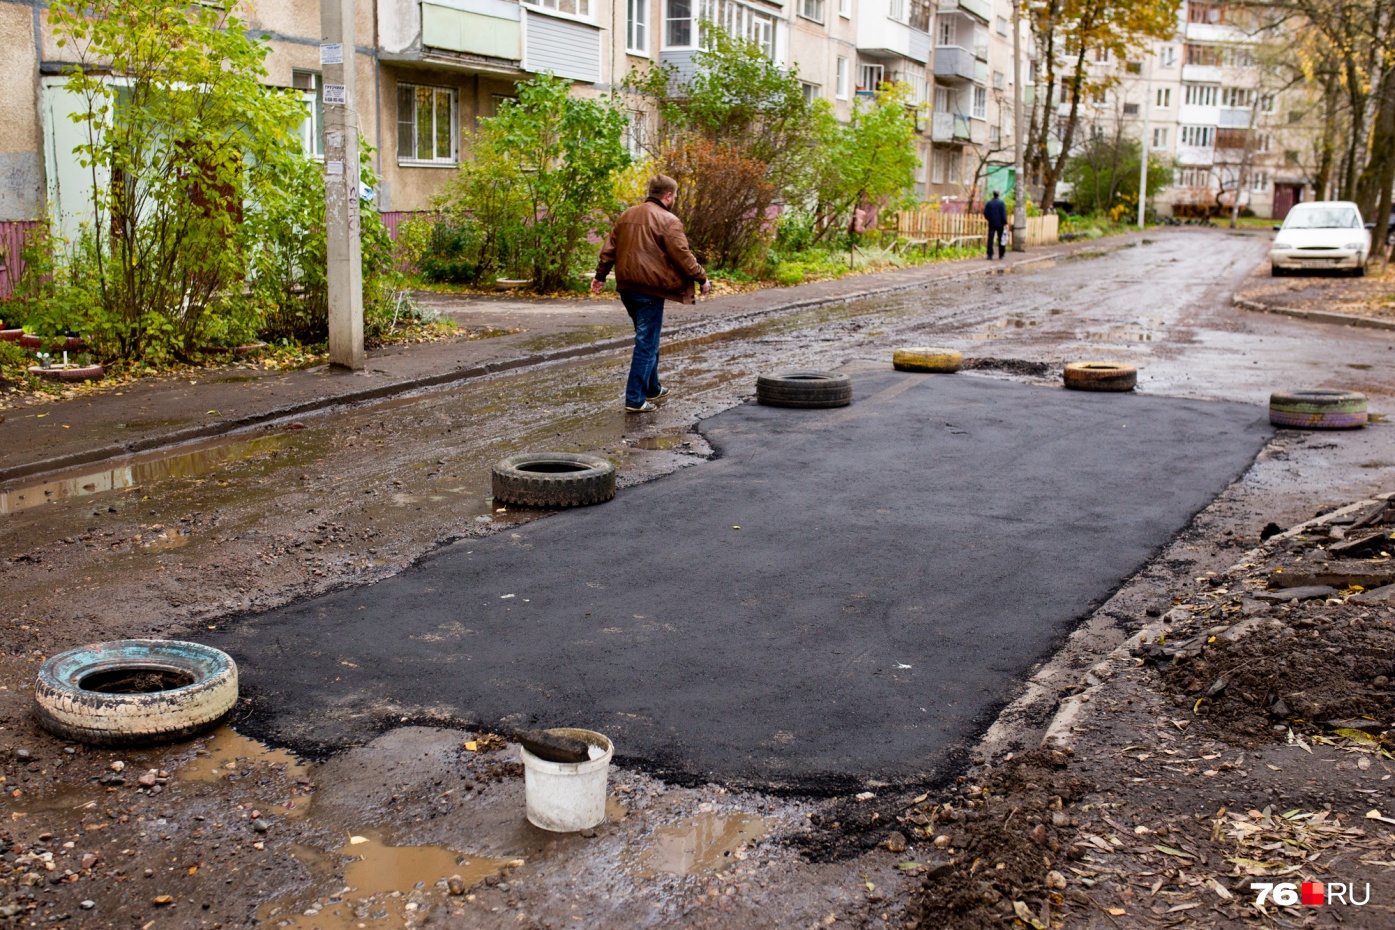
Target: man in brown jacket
column 649, row 252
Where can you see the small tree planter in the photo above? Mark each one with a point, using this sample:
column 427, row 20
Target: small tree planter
column 70, row 343
column 67, row 373
column 11, row 335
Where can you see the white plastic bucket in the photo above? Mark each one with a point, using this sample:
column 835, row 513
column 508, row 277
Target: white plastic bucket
column 565, row 797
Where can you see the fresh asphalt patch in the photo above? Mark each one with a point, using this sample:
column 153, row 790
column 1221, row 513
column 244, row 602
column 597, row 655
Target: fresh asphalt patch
column 841, row 598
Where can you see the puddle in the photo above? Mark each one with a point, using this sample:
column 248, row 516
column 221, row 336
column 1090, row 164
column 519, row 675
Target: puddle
column 227, row 754
column 707, row 842
column 663, row 443
column 138, row 472
column 584, row 335
column 169, row 539
column 382, row 884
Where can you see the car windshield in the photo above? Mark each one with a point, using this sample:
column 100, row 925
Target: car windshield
column 1324, row 218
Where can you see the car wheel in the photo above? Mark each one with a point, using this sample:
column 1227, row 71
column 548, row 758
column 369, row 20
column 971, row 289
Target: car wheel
column 1277, row 272
column 1359, row 271
column 1100, row 376
column 1317, row 409
column 804, row 389
column 553, row 479
column 927, row 358
column 134, row 691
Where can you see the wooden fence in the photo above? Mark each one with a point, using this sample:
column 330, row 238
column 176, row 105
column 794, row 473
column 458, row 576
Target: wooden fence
column 13, row 235
column 935, row 224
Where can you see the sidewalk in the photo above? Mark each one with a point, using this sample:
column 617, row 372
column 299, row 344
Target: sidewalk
column 161, row 412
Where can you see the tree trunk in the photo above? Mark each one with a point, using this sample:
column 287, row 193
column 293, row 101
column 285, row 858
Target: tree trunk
column 1052, row 171
column 1376, row 175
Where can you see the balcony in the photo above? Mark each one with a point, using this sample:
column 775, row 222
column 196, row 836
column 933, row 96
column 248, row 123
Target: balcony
column 1234, row 118
column 880, row 35
column 982, row 9
column 950, row 127
column 1203, row 74
column 953, row 64
column 489, row 36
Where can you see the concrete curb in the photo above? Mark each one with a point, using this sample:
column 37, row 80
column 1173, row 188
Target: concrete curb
column 1317, row 316
column 706, row 327
column 1060, row 732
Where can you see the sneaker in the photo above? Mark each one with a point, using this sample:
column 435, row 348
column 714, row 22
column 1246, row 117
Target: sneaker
column 645, row 407
column 663, row 392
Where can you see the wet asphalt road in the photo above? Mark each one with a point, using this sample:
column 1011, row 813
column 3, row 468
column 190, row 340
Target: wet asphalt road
column 841, row 599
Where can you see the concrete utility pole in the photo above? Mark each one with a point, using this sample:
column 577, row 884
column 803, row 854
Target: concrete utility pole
column 1143, row 147
column 345, row 273
column 1019, row 199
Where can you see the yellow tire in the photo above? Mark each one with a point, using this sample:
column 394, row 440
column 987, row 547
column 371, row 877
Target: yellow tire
column 927, row 358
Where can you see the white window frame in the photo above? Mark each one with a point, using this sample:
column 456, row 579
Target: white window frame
column 1164, row 100
column 899, row 12
column 812, row 92
column 944, row 100
column 1167, row 56
column 1159, row 137
column 637, row 27
column 582, row 12
column 636, row 131
column 947, row 34
column 1259, row 183
column 812, row 10
column 939, row 158
column 841, row 72
column 1202, row 137
column 999, row 80
column 980, row 102
column 845, row 9
column 1131, row 109
column 1002, row 25
column 1266, row 103
column 870, row 77
column 1201, row 95
column 312, row 130
column 436, row 161
column 741, row 20
column 955, row 158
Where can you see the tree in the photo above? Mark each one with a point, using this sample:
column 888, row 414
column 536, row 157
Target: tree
column 1068, row 34
column 1104, row 173
column 540, row 179
column 182, row 139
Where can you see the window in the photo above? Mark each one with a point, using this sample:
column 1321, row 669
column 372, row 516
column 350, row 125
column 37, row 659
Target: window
column 942, row 100
column 1237, row 57
column 1203, row 54
column 1133, row 67
column 1199, row 136
column 1290, row 158
column 1266, row 103
column 946, row 32
column 980, row 103
column 1164, row 97
column 1194, row 177
column 1130, row 109
column 1102, row 55
column 845, row 8
column 898, row 10
column 637, row 26
column 1200, row 95
column 1002, row 25
column 955, row 160
column 636, row 133
column 1263, row 141
column 1296, row 116
column 580, row 8
column 426, row 121
column 1208, row 13
column 1097, row 132
column 870, row 77
column 312, row 135
column 1167, row 56
column 998, row 80
column 1260, row 182
column 938, row 161
column 1159, row 137
column 811, row 9
column 1097, row 96
column 1237, row 97
column 684, row 18
column 811, row 91
column 995, row 135
column 1232, row 138
column 841, row 89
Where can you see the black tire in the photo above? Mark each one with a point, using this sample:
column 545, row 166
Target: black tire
column 1100, row 376
column 553, row 479
column 804, row 389
column 134, row 692
column 1359, row 271
column 1276, row 272
column 1318, row 409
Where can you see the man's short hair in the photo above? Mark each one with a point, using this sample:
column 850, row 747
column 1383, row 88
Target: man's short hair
column 995, row 193
column 661, row 184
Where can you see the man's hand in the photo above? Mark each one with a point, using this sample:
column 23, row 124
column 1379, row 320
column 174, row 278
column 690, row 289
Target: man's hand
column 597, row 286
column 707, row 287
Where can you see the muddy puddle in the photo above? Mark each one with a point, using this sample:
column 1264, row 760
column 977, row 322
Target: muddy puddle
column 139, row 471
column 370, row 880
column 706, row 842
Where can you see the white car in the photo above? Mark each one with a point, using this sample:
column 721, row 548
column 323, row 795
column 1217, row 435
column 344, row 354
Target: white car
column 1321, row 234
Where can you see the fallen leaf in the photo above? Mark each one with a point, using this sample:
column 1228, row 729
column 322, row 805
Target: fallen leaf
column 1173, row 852
column 909, row 866
column 1115, row 911
column 472, row 746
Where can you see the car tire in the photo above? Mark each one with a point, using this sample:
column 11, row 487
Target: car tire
column 1277, row 272
column 1359, row 271
column 804, row 389
column 134, row 692
column 932, row 359
column 1100, row 376
column 1317, row 409
column 553, row 479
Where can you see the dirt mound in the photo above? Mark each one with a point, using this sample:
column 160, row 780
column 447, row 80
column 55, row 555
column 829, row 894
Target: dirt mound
column 1005, row 835
column 1013, row 366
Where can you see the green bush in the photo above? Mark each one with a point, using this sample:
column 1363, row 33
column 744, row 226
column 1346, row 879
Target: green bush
column 788, row 274
column 451, row 252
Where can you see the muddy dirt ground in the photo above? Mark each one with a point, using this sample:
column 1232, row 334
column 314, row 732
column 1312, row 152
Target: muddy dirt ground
column 224, row 832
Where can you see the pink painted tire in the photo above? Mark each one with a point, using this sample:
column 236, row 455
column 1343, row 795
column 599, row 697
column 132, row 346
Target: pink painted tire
column 1318, row 409
column 68, row 375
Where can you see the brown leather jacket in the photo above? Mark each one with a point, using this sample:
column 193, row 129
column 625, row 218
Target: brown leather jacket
column 649, row 252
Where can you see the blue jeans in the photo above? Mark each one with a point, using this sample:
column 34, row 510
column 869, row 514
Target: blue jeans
column 647, row 313
column 995, row 231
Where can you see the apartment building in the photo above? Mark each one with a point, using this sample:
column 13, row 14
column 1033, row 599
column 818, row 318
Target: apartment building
column 427, row 70
column 1206, row 98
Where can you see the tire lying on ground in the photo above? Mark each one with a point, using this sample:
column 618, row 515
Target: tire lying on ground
column 806, row 389
column 927, row 358
column 1318, row 409
column 134, row 691
column 553, row 479
column 1100, row 376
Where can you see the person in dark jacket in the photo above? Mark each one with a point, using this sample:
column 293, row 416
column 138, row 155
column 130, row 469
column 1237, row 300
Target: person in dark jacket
column 649, row 251
column 995, row 212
